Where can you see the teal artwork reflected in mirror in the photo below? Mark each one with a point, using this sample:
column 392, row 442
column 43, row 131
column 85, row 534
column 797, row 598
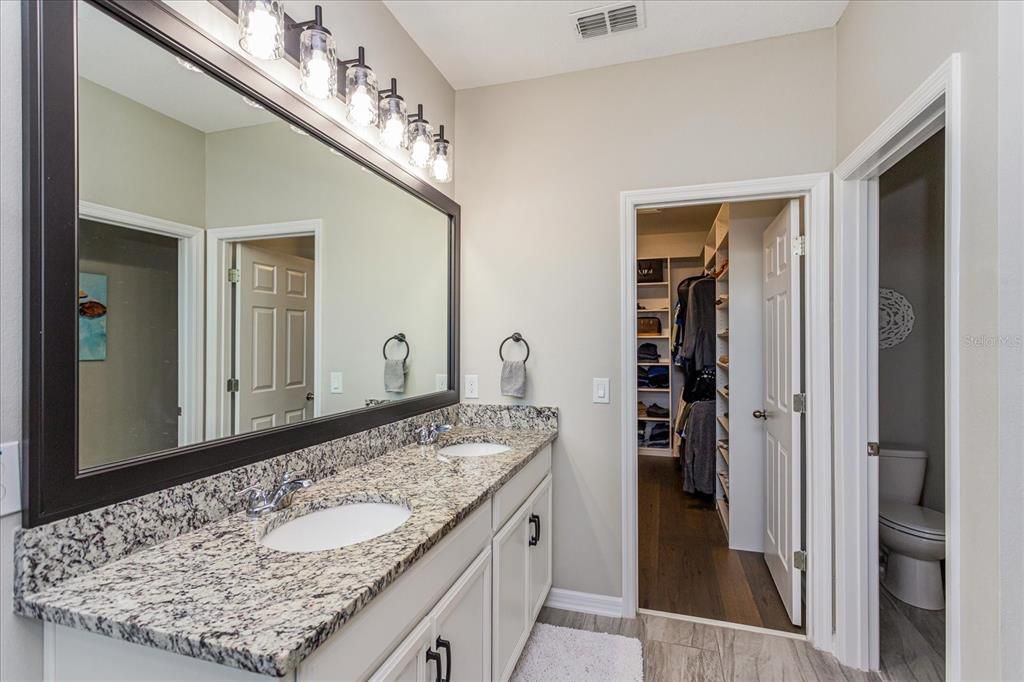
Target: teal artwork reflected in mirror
column 92, row 316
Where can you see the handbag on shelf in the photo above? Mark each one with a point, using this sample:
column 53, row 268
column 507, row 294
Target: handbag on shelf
column 648, row 326
column 652, row 270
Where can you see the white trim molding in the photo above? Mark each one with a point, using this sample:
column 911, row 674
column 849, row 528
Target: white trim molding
column 814, row 188
column 190, row 305
column 10, row 478
column 933, row 106
column 584, row 602
column 216, row 377
column 725, row 624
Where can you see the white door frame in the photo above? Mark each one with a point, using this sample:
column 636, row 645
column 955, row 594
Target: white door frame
column 190, row 305
column 814, row 188
column 217, row 240
column 936, row 103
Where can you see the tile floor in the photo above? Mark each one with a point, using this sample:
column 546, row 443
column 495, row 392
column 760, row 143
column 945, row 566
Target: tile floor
column 683, row 651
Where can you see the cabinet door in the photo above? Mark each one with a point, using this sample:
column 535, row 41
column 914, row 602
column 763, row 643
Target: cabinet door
column 408, row 663
column 510, row 623
column 462, row 624
column 540, row 546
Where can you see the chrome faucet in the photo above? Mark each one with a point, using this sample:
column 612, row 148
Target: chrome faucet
column 259, row 502
column 427, row 435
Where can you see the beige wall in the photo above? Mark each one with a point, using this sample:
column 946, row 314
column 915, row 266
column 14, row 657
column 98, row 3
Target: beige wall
column 384, row 253
column 136, row 159
column 540, row 167
column 884, row 50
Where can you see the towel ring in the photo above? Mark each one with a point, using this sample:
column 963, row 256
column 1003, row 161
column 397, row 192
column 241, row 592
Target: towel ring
column 517, row 338
column 400, row 337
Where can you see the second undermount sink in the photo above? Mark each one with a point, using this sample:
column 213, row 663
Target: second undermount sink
column 340, row 526
column 474, row 449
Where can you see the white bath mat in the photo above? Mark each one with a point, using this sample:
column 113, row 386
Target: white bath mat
column 554, row 653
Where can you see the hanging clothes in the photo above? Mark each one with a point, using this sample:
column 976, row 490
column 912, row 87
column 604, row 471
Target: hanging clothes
column 699, row 448
column 679, row 324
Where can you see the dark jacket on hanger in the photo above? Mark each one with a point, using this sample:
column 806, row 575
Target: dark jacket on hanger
column 699, row 334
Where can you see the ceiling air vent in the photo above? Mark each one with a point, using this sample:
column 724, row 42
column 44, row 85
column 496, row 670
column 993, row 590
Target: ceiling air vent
column 608, row 19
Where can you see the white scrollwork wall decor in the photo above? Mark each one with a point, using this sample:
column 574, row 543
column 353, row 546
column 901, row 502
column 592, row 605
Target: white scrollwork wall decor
column 895, row 318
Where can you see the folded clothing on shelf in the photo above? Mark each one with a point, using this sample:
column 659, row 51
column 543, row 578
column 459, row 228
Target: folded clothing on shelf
column 648, row 352
column 654, row 377
column 659, row 436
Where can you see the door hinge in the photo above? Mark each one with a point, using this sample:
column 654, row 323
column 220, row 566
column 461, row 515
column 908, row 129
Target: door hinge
column 179, row 410
column 873, row 449
column 800, row 560
column 800, row 245
column 232, row 385
column 234, row 275
column 799, row 402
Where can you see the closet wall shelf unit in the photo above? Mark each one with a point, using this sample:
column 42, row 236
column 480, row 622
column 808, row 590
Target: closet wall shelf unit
column 716, row 260
column 723, row 513
column 723, row 479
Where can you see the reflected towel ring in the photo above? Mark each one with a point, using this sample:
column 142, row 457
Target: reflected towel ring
column 518, row 338
column 400, row 337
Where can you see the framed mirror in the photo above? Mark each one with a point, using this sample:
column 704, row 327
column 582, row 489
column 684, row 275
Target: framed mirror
column 217, row 272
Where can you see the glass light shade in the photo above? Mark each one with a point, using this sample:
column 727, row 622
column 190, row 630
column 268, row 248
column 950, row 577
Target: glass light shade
column 361, row 95
column 261, row 24
column 318, row 64
column 393, row 121
column 420, row 143
column 441, row 161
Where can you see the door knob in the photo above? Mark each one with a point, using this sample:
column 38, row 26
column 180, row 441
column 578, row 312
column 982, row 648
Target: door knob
column 760, row 414
column 309, row 396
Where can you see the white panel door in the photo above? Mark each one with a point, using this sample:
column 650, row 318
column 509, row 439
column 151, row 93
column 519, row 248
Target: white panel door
column 781, row 292
column 540, row 547
column 511, row 623
column 462, row 624
column 275, row 339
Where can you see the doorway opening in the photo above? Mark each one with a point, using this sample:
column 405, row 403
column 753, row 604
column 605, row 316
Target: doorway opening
column 263, row 302
column 910, row 389
column 719, row 442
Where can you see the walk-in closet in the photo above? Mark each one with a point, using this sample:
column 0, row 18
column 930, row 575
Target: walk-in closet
column 710, row 357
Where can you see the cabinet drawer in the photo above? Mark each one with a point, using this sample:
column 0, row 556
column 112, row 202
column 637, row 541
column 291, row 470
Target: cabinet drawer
column 512, row 495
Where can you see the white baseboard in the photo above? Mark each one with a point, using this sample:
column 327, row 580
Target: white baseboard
column 584, row 602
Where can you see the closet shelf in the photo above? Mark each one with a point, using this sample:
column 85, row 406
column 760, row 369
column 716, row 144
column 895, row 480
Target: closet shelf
column 722, row 365
column 652, row 284
column 724, row 453
column 652, row 419
column 723, row 513
column 724, row 394
column 723, row 334
column 653, row 364
column 653, row 390
column 724, row 480
column 724, row 421
column 641, row 311
column 652, row 336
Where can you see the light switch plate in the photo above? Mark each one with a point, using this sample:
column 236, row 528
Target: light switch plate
column 472, row 386
column 440, row 382
column 337, row 382
column 602, row 390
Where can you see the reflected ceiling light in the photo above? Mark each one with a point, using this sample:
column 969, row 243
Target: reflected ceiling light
column 252, row 103
column 318, row 58
column 187, row 65
column 297, row 130
column 393, row 118
column 360, row 91
column 441, row 158
column 419, row 139
column 261, row 23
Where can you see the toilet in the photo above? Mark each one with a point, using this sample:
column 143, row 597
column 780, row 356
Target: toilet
column 913, row 537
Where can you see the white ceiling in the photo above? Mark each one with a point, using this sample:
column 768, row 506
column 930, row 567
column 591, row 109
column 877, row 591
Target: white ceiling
column 116, row 57
column 485, row 42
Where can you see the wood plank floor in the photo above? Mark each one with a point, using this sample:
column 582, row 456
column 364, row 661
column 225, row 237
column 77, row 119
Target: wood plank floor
column 912, row 642
column 683, row 652
column 685, row 564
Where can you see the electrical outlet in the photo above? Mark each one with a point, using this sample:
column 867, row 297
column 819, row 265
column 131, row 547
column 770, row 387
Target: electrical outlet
column 472, row 386
column 337, row 382
column 602, row 391
column 440, row 382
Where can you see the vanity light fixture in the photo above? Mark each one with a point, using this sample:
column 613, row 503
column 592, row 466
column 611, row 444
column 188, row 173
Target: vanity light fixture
column 261, row 23
column 318, row 58
column 420, row 139
column 393, row 117
column 441, row 157
column 360, row 91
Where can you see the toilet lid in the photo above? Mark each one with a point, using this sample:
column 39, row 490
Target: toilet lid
column 913, row 519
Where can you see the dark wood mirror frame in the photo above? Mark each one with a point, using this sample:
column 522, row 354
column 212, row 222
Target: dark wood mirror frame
column 52, row 487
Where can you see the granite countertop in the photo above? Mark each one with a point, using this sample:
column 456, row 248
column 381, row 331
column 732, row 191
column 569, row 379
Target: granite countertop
column 216, row 594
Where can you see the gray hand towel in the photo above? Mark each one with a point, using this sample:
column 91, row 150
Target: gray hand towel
column 394, row 375
column 513, row 378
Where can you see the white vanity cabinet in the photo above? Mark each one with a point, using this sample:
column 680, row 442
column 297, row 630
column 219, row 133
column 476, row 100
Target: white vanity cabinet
column 463, row 611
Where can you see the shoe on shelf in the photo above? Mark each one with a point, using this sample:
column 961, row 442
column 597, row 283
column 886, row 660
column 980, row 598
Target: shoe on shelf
column 657, row 411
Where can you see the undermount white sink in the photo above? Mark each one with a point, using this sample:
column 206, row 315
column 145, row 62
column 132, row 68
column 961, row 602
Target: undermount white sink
column 474, row 449
column 337, row 527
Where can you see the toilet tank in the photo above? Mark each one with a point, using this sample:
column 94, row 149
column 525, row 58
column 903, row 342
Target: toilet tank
column 901, row 475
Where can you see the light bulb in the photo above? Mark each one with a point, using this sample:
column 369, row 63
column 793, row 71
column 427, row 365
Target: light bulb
column 316, row 81
column 262, row 26
column 419, row 155
column 393, row 132
column 361, row 107
column 439, row 169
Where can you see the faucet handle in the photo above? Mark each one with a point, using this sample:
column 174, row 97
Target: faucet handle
column 254, row 496
column 442, row 428
column 290, row 476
